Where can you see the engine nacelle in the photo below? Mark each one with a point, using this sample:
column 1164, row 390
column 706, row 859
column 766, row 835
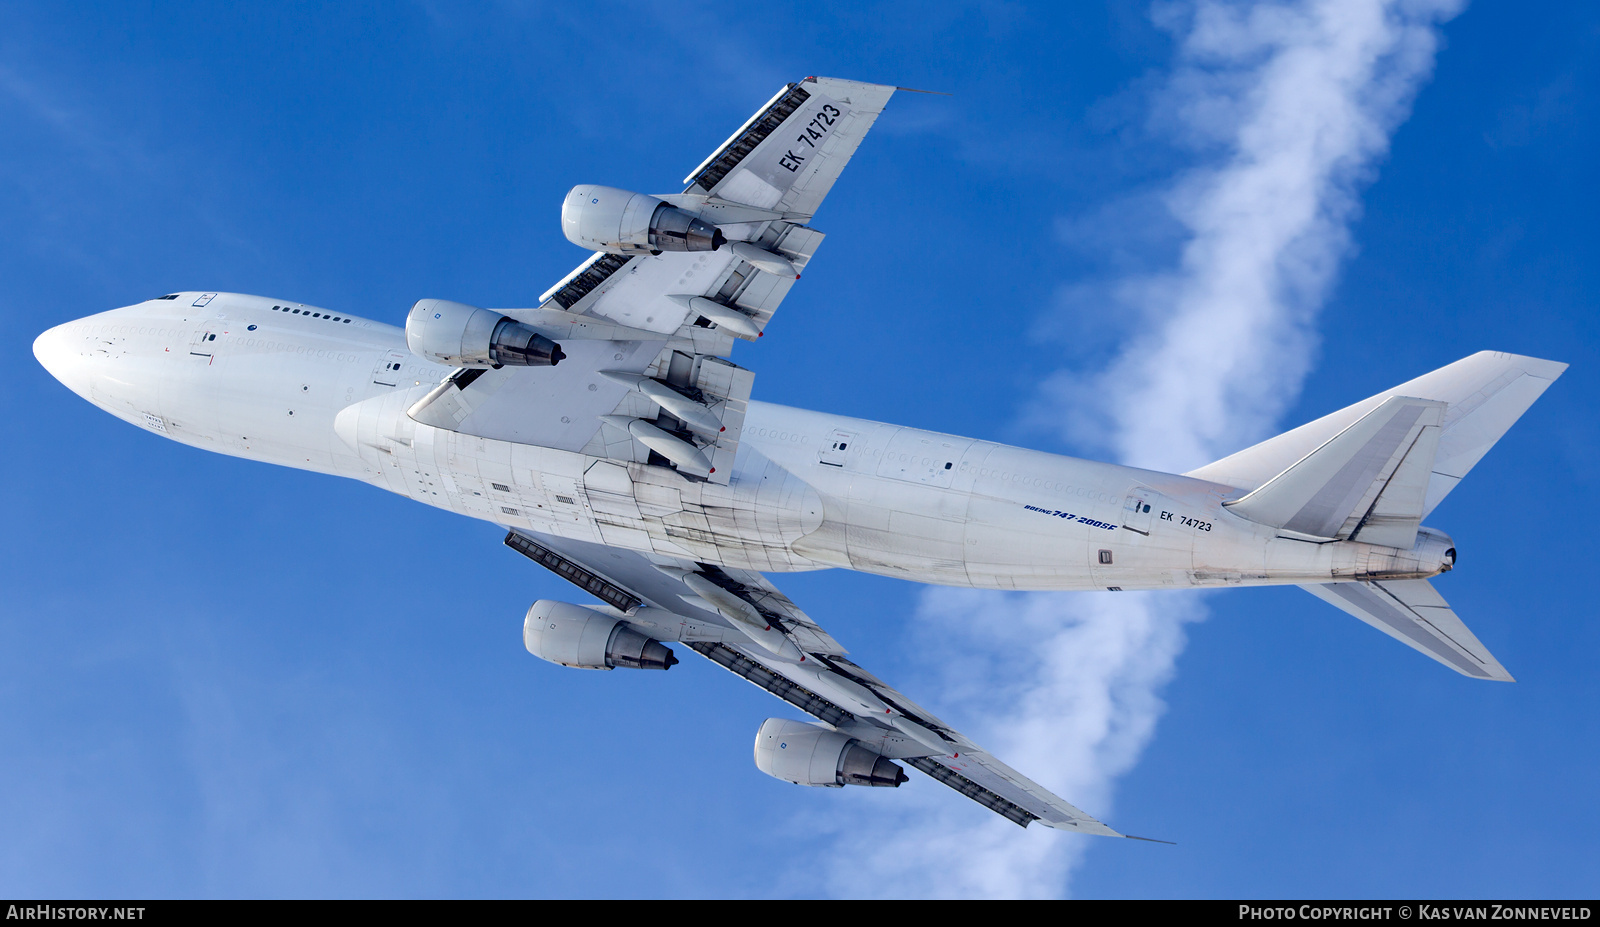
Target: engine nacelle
column 586, row 639
column 812, row 754
column 620, row 222
column 466, row 336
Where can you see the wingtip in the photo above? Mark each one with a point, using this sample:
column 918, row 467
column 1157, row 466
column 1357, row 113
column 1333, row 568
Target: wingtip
column 814, row 78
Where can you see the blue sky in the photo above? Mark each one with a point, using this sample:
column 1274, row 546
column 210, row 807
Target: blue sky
column 218, row 678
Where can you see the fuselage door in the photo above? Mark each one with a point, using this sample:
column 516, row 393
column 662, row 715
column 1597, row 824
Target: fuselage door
column 387, row 373
column 203, row 345
column 835, row 448
column 1137, row 509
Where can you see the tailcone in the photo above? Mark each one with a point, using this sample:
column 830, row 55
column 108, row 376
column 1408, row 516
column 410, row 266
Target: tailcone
column 1433, row 553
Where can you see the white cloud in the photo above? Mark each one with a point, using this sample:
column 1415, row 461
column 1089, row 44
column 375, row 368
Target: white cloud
column 1288, row 108
column 1061, row 687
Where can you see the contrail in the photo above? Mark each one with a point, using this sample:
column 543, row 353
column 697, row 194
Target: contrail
column 1288, row 107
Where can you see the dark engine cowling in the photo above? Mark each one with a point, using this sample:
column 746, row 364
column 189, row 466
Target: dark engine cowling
column 814, row 754
column 622, row 222
column 572, row 635
column 466, row 336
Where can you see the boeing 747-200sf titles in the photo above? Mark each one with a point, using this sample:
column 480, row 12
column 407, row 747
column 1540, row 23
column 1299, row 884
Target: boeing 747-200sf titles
column 608, row 433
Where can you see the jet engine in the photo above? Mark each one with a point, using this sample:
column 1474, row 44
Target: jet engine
column 586, row 639
column 466, row 336
column 620, row 222
column 814, row 754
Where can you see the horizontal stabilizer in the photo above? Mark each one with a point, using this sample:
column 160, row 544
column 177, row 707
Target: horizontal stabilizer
column 1412, row 612
column 1487, row 392
column 1370, row 478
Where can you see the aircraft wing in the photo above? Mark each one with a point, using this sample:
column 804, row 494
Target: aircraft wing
column 671, row 318
column 672, row 599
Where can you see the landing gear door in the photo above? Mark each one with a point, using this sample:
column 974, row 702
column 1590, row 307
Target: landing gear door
column 1137, row 509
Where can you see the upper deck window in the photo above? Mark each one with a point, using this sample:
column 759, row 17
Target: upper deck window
column 306, row 312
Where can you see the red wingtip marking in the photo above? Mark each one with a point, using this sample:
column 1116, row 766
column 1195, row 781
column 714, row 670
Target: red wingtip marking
column 723, row 428
column 712, row 470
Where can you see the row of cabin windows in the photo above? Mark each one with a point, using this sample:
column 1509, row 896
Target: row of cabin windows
column 314, row 315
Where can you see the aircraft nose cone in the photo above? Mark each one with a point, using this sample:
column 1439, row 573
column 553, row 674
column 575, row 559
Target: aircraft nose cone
column 57, row 354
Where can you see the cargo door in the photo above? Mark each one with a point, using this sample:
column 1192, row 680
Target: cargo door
column 922, row 457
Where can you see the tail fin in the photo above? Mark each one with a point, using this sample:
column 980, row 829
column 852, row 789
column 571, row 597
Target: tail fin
column 1413, row 613
column 1374, row 470
column 1486, row 393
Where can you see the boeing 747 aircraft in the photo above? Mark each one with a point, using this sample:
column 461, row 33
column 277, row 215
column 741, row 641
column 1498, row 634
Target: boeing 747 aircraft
column 608, row 433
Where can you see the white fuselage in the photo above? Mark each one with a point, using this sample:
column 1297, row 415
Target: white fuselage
column 299, row 386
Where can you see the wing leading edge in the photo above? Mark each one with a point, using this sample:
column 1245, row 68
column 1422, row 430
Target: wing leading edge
column 653, row 595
